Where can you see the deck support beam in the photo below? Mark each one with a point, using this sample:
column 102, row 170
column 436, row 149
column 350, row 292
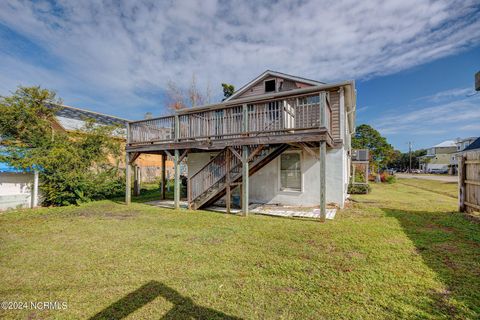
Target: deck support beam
column 245, row 169
column 128, row 170
column 228, row 196
column 128, row 180
column 136, row 180
column 176, row 180
column 163, row 176
column 323, row 180
column 245, row 182
column 176, row 186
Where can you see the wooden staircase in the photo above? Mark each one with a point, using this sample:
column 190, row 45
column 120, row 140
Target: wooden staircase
column 210, row 183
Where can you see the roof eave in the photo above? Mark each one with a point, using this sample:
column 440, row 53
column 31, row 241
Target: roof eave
column 350, row 101
column 275, row 74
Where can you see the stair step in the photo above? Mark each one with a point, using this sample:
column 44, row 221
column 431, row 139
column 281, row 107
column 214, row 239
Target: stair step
column 235, row 174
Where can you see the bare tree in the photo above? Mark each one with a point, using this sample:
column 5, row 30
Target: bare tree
column 175, row 96
column 179, row 98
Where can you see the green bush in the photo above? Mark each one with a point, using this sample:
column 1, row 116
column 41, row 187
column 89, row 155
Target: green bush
column 359, row 177
column 73, row 167
column 358, row 188
column 390, row 179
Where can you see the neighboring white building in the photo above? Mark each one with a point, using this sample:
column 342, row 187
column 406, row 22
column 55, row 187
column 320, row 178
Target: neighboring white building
column 18, row 189
column 443, row 156
column 438, row 157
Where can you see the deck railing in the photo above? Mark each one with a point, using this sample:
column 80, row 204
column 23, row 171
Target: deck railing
column 268, row 117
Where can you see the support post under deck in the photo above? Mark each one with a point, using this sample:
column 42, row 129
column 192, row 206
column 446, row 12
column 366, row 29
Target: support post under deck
column 323, row 205
column 163, row 175
column 128, row 180
column 136, row 180
column 128, row 170
column 228, row 196
column 323, row 156
column 245, row 178
column 176, row 186
column 245, row 169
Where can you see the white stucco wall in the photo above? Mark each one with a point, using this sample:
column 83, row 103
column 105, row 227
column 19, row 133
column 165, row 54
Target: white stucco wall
column 265, row 184
column 195, row 161
column 15, row 190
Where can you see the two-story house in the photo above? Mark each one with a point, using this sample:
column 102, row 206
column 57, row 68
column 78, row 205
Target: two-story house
column 438, row 157
column 282, row 139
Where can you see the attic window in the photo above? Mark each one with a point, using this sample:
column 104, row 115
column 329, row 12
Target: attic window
column 270, row 86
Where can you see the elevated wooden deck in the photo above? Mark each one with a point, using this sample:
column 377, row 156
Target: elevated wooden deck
column 286, row 117
column 249, row 133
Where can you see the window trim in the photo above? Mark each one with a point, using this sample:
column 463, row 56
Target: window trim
column 287, row 190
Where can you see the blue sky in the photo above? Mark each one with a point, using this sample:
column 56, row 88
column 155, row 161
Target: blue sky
column 426, row 104
column 413, row 61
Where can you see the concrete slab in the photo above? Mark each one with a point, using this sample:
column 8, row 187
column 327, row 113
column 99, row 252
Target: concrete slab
column 167, row 204
column 276, row 211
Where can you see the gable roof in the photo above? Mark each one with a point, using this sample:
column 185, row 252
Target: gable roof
column 473, row 146
column 446, row 144
column 270, row 73
column 72, row 118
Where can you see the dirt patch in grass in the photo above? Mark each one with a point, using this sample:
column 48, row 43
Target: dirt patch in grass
column 446, row 247
column 433, row 226
column 322, row 246
column 305, row 257
column 206, row 241
column 355, row 255
column 442, row 302
column 286, row 289
column 118, row 215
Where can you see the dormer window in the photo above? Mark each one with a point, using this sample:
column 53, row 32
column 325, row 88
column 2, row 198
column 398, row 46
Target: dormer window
column 270, row 86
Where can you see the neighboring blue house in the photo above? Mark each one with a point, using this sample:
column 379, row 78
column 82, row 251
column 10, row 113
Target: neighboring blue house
column 18, row 189
column 474, row 146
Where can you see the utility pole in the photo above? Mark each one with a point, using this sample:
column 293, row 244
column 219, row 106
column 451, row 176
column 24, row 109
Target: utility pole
column 410, row 157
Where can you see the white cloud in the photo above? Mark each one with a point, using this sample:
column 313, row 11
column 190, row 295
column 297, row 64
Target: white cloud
column 114, row 52
column 448, row 117
column 471, row 127
column 448, row 94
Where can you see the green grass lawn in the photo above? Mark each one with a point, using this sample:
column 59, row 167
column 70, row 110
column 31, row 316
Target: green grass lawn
column 398, row 253
column 445, row 188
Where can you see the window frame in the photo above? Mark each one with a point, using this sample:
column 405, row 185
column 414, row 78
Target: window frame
column 264, row 85
column 290, row 190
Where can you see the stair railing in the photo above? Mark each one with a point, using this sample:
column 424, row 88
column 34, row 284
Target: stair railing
column 210, row 174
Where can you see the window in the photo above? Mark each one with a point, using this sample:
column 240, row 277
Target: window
column 273, row 111
column 290, row 172
column 270, row 86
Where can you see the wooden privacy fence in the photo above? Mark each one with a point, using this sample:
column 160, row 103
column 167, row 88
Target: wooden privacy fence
column 469, row 181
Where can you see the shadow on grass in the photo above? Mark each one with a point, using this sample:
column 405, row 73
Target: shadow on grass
column 449, row 244
column 146, row 195
column 149, row 193
column 184, row 307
